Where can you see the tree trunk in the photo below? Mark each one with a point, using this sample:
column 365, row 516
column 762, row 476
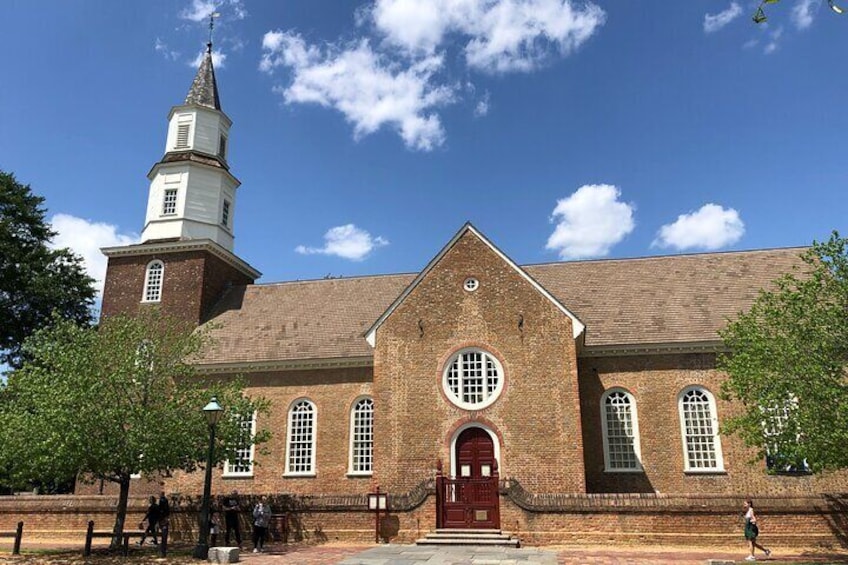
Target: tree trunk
column 121, row 512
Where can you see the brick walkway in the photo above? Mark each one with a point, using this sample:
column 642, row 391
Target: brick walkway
column 414, row 555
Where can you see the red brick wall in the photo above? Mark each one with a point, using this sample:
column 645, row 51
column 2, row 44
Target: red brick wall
column 655, row 382
column 800, row 522
column 193, row 282
column 536, row 418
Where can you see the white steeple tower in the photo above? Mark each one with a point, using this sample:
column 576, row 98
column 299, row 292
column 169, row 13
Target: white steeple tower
column 192, row 193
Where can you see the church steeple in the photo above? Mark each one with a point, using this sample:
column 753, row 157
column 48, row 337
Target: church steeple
column 204, row 89
column 192, row 192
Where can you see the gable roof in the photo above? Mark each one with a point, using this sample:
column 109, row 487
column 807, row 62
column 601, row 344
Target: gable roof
column 370, row 335
column 675, row 299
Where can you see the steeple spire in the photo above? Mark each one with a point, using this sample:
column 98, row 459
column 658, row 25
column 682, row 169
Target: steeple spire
column 204, row 88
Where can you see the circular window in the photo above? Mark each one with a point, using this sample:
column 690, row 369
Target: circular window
column 471, row 284
column 473, row 379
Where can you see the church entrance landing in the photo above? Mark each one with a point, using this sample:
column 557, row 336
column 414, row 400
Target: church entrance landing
column 470, row 499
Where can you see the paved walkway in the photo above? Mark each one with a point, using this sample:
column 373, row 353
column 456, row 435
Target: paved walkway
column 422, row 555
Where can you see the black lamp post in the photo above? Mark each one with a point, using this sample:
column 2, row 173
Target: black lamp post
column 213, row 412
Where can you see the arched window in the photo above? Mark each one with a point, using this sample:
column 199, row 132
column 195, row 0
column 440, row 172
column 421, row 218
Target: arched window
column 362, row 437
column 699, row 428
column 473, row 379
column 153, row 277
column 300, row 450
column 242, row 464
column 621, row 431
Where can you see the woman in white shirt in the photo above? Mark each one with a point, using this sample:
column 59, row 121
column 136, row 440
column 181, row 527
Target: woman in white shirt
column 752, row 531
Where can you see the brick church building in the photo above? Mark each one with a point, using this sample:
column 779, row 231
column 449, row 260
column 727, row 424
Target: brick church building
column 560, row 401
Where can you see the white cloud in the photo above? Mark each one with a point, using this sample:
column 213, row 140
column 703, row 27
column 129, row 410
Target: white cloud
column 347, row 242
column 361, row 84
column 713, row 23
column 200, row 10
column 773, row 41
column 711, row 227
column 219, row 59
column 498, row 35
column 482, row 107
column 85, row 238
column 590, row 222
column 166, row 51
column 802, row 13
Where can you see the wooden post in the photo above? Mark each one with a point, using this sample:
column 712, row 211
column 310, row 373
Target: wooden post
column 440, row 492
column 19, row 533
column 377, row 518
column 125, row 546
column 163, row 545
column 88, row 535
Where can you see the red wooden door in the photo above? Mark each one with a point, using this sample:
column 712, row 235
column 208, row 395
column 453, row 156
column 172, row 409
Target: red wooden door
column 473, row 499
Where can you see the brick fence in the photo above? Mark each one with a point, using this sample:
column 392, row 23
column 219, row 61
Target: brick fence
column 705, row 520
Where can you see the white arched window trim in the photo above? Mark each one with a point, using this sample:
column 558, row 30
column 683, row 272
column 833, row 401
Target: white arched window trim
column 351, row 466
column 154, row 276
column 717, row 455
column 242, row 466
column 488, row 430
column 634, row 423
column 466, row 380
column 305, row 461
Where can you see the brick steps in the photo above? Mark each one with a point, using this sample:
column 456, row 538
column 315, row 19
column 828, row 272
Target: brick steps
column 455, row 537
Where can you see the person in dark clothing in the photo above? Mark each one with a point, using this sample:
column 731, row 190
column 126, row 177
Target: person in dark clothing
column 231, row 518
column 164, row 513
column 152, row 519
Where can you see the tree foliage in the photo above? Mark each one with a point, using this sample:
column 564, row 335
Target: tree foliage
column 110, row 401
column 787, row 364
column 35, row 281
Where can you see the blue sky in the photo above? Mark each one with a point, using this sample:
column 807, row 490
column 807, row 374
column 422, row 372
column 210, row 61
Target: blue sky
column 366, row 133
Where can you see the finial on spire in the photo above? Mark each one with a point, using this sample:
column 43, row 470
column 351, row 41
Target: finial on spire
column 212, row 17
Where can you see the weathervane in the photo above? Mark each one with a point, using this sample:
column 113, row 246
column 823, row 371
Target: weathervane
column 212, row 17
column 760, row 14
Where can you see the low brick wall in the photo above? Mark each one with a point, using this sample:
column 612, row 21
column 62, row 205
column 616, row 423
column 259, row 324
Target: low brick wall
column 787, row 521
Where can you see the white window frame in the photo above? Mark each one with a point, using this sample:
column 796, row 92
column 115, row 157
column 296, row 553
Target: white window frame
column 311, row 471
column 152, row 291
column 461, row 356
column 634, row 426
column 369, row 444
column 169, row 201
column 713, row 420
column 231, row 468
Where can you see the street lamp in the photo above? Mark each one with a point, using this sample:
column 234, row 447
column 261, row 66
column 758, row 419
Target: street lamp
column 213, row 412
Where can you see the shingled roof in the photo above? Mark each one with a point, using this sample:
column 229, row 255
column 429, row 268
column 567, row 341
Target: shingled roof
column 204, row 88
column 623, row 302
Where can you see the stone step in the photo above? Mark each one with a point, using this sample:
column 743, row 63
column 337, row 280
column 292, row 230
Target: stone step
column 469, row 537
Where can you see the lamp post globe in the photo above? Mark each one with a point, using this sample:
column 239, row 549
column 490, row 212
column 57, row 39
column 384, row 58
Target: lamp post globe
column 213, row 412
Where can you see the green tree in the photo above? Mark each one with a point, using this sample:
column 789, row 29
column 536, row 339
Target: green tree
column 35, row 281
column 787, row 364
column 105, row 402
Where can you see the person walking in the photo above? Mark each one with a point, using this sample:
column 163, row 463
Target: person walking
column 152, row 519
column 231, row 518
column 752, row 531
column 164, row 514
column 261, row 519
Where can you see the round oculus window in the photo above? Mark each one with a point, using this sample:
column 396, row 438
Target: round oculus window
column 471, row 284
column 473, row 379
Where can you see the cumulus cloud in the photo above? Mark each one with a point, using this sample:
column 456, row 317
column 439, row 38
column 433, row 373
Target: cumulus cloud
column 347, row 242
column 85, row 238
column 714, row 22
column 370, row 91
column 498, row 36
column 200, row 10
column 590, row 222
column 219, row 59
column 803, row 12
column 393, row 74
column 709, row 228
column 482, row 107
